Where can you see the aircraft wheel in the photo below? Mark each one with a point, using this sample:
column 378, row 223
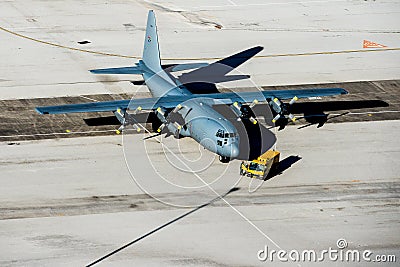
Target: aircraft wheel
column 224, row 159
column 156, row 123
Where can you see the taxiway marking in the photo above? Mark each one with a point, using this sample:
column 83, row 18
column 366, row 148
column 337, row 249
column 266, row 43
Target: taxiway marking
column 202, row 58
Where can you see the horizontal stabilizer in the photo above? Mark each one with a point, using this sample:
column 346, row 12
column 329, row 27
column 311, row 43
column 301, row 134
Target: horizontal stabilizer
column 189, row 66
column 123, row 70
column 184, row 66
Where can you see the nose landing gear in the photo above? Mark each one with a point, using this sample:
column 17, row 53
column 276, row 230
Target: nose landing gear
column 224, row 159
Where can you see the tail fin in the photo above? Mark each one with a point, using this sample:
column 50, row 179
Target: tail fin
column 151, row 51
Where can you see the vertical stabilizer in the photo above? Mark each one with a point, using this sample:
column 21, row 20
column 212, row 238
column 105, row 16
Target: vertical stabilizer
column 151, row 51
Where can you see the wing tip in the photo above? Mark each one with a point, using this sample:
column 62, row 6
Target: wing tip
column 38, row 110
column 97, row 71
column 41, row 111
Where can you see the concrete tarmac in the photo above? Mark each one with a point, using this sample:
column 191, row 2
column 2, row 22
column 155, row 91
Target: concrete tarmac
column 69, row 201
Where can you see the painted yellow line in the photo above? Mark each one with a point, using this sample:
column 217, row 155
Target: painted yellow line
column 202, row 58
column 63, row 46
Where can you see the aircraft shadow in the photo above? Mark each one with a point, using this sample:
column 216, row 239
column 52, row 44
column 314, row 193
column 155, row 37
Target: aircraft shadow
column 112, row 120
column 319, row 107
column 315, row 112
column 283, row 166
column 203, row 80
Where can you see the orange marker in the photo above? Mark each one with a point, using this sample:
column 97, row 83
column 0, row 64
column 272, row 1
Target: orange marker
column 369, row 44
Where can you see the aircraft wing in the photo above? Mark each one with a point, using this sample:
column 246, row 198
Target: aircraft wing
column 172, row 102
column 248, row 97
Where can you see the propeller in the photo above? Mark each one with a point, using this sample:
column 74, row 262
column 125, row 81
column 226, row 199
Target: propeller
column 282, row 110
column 127, row 119
column 238, row 109
column 172, row 126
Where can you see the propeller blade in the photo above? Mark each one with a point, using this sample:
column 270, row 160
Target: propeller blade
column 177, row 108
column 177, row 125
column 236, row 108
column 137, row 128
column 255, row 102
column 236, row 105
column 253, row 120
column 276, row 100
column 137, row 110
column 276, row 118
column 292, row 117
column 120, row 129
column 294, row 99
column 159, row 130
column 161, row 111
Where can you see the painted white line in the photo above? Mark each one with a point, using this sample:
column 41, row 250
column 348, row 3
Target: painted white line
column 208, row 185
column 222, row 198
column 364, row 113
column 88, row 98
column 232, row 3
column 374, row 112
column 106, row 131
column 49, row 134
column 275, row 3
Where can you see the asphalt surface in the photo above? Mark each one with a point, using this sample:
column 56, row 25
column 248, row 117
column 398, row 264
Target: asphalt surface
column 367, row 101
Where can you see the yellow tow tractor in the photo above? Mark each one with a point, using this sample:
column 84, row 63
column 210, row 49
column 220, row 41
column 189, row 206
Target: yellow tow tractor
column 262, row 166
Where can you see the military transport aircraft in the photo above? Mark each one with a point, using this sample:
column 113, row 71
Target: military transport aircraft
column 171, row 96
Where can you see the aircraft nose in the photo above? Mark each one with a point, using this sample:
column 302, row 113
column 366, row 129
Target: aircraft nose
column 234, row 150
